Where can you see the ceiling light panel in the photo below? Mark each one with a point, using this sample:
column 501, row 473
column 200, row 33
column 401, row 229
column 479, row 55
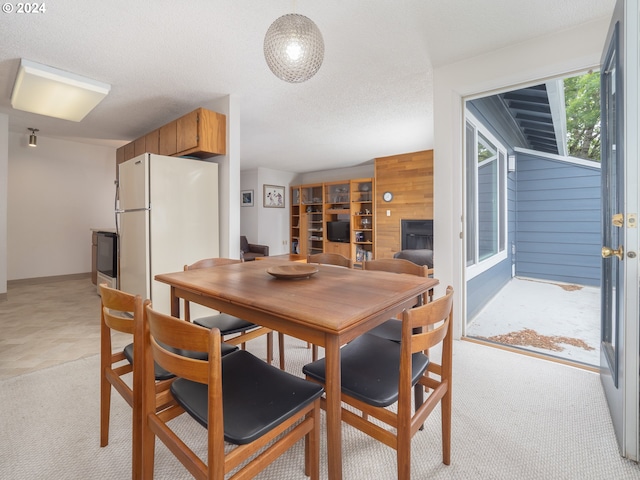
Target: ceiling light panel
column 55, row 93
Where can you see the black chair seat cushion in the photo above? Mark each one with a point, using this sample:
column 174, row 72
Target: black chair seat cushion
column 227, row 324
column 418, row 256
column 370, row 369
column 161, row 373
column 391, row 330
column 256, row 397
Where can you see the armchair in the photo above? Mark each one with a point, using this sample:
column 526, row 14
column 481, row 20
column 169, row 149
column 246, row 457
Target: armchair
column 252, row 250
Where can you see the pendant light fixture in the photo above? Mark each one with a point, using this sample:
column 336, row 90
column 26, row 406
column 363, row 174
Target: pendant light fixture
column 33, row 140
column 294, row 48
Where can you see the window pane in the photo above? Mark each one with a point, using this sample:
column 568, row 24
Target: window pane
column 486, row 150
column 486, row 201
column 487, row 209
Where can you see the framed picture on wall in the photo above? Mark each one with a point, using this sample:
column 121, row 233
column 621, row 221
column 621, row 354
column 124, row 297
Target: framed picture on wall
column 273, row 196
column 246, row 198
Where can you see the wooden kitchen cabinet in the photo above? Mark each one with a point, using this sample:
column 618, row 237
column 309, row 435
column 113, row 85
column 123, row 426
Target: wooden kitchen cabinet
column 129, row 151
column 139, row 146
column 168, row 139
column 201, row 133
column 152, row 141
column 187, row 131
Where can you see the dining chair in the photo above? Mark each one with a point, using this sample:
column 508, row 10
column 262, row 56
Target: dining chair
column 230, row 325
column 118, row 312
column 378, row 374
column 123, row 312
column 239, row 399
column 392, row 328
column 327, row 258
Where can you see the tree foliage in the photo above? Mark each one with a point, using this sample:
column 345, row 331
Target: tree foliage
column 582, row 101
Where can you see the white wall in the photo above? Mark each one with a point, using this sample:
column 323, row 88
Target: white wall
column 57, row 192
column 273, row 223
column 569, row 51
column 249, row 218
column 229, row 177
column 266, row 226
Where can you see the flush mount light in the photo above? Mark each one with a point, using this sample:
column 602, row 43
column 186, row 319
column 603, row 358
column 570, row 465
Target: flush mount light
column 294, row 48
column 48, row 91
column 33, row 140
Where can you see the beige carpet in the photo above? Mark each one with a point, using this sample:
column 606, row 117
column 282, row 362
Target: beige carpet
column 514, row 417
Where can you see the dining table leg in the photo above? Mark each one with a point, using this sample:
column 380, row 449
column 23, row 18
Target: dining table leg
column 334, row 404
column 175, row 303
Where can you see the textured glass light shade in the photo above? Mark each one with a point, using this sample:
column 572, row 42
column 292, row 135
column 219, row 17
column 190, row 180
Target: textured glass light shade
column 293, row 48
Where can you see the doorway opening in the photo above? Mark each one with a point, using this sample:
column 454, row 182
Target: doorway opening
column 533, row 215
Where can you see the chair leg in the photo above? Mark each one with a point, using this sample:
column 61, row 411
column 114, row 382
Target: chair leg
column 314, row 353
column 312, row 447
column 148, row 451
column 105, row 409
column 446, row 428
column 269, row 347
column 281, row 349
column 418, row 394
column 404, row 453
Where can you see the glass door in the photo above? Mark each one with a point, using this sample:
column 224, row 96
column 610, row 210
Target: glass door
column 619, row 341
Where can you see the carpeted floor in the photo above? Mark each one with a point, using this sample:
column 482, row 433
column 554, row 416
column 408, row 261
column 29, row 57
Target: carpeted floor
column 513, row 417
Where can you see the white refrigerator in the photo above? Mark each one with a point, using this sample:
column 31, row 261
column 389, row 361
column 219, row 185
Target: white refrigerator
column 166, row 217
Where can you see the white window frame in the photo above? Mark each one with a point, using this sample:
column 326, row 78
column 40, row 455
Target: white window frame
column 484, row 265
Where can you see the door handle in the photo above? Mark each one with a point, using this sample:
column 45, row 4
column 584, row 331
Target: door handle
column 609, row 252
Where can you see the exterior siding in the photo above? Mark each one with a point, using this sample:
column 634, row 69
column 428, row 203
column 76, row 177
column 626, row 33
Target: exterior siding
column 557, row 220
column 482, row 288
column 554, row 224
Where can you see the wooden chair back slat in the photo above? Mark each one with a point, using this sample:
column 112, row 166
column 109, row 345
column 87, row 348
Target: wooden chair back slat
column 397, row 265
column 173, row 332
column 328, row 258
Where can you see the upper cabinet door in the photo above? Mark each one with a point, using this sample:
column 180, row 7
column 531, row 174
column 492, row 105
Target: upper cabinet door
column 187, row 131
column 168, row 137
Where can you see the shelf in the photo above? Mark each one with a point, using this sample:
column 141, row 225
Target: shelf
column 338, row 211
column 333, row 201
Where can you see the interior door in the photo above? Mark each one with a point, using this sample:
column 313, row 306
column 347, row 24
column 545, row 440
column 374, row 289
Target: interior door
column 619, row 150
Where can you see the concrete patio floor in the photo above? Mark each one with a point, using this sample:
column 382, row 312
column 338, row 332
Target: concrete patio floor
column 549, row 310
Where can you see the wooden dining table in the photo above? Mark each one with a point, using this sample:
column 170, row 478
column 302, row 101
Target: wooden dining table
column 329, row 308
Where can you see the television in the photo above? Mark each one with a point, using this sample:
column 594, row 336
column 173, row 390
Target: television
column 338, row 231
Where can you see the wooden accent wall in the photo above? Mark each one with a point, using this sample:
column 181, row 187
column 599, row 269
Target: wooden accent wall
column 409, row 177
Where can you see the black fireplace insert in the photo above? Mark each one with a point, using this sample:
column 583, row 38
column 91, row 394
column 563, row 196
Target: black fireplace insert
column 416, row 234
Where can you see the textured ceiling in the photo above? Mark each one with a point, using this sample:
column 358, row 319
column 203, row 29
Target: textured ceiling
column 372, row 96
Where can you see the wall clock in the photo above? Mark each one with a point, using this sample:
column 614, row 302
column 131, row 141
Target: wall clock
column 387, row 196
